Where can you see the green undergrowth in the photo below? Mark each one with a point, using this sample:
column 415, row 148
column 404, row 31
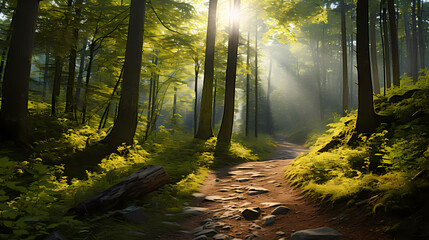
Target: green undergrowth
column 35, row 193
column 390, row 166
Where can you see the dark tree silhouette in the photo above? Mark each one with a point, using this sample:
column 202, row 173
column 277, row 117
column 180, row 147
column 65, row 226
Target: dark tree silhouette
column 123, row 130
column 205, row 130
column 14, row 113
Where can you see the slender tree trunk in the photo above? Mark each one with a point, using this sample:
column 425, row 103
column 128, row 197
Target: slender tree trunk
column 387, row 78
column 352, row 68
column 374, row 62
column 269, row 117
column 256, row 77
column 225, row 133
column 46, row 72
column 57, row 83
column 197, row 70
column 174, row 120
column 414, row 57
column 205, row 130
column 88, row 75
column 422, row 47
column 70, row 105
column 409, row 44
column 149, row 108
column 124, row 128
column 80, row 79
column 4, row 52
column 344, row 55
column 394, row 43
column 367, row 119
column 214, row 103
column 14, row 121
column 247, row 84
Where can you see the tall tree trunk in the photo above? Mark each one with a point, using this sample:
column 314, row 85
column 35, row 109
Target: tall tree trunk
column 5, row 49
column 205, row 130
column 352, row 68
column 344, row 54
column 14, row 114
column 88, row 76
column 415, row 64
column 367, row 119
column 422, row 47
column 124, row 128
column 225, row 133
column 394, row 42
column 46, row 72
column 214, row 103
column 70, row 105
column 269, row 117
column 409, row 43
column 57, row 83
column 80, row 79
column 174, row 120
column 387, row 76
column 197, row 70
column 256, row 77
column 247, row 84
column 374, row 62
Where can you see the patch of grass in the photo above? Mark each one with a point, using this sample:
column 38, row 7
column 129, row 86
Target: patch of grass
column 391, row 163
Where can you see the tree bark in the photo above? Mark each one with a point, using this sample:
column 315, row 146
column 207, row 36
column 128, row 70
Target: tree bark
column 197, row 71
column 247, row 85
column 387, row 76
column 367, row 120
column 205, row 130
column 409, row 44
column 394, row 42
column 269, row 117
column 225, row 132
column 125, row 125
column 144, row 181
column 344, row 55
column 256, row 77
column 374, row 62
column 415, row 66
column 422, row 47
column 14, row 114
column 57, row 83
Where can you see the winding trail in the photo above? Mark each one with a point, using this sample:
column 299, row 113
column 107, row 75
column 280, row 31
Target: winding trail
column 230, row 190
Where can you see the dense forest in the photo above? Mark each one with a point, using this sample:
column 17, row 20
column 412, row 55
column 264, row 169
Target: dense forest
column 145, row 99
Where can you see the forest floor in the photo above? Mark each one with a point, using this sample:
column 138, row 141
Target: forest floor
column 225, row 194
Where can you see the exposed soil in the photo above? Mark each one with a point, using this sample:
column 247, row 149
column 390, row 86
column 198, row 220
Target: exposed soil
column 233, row 198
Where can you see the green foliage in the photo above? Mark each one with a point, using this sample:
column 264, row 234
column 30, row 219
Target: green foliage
column 351, row 167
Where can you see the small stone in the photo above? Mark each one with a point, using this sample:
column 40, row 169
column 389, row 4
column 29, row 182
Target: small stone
column 201, row 237
column 256, row 190
column 251, row 213
column 223, row 190
column 255, row 226
column 227, row 214
column 220, row 236
column 235, row 172
column 243, row 179
column 198, row 195
column 217, row 180
column 270, row 204
column 280, row 233
column 206, row 232
column 185, row 204
column 194, row 210
column 323, row 233
column 197, row 229
column 280, row 210
column 133, row 214
column 269, row 220
column 206, row 221
column 245, row 168
column 226, row 228
column 212, row 198
column 258, row 175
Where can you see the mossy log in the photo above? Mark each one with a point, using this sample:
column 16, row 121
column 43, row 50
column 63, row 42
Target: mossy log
column 146, row 180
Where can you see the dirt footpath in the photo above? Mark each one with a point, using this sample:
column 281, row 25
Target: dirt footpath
column 260, row 188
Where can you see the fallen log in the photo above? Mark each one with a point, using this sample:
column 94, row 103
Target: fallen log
column 146, row 180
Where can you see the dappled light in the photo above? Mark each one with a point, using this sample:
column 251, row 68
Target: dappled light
column 214, row 119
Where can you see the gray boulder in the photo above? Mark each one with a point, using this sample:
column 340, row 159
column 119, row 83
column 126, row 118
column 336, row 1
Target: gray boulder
column 280, row 210
column 323, row 233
